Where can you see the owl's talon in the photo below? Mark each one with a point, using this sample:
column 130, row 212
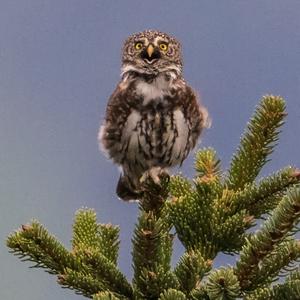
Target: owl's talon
column 143, row 179
column 155, row 179
column 150, row 175
column 154, row 174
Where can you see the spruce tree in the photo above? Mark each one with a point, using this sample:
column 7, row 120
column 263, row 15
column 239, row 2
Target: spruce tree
column 211, row 214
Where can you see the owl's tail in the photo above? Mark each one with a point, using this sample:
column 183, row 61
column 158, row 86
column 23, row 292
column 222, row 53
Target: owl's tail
column 126, row 189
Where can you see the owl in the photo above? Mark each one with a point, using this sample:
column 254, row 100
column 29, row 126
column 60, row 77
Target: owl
column 153, row 118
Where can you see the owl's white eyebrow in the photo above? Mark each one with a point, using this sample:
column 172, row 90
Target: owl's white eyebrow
column 159, row 39
column 141, row 40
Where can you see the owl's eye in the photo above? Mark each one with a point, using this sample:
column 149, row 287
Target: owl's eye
column 138, row 46
column 163, row 47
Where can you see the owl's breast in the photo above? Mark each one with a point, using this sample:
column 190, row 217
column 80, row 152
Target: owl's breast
column 156, row 137
column 155, row 90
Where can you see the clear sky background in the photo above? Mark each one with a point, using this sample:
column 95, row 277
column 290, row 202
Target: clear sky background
column 59, row 63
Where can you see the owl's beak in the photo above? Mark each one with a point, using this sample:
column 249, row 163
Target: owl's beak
column 150, row 50
column 150, row 54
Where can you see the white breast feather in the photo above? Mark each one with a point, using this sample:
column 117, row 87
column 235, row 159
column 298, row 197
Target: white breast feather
column 181, row 140
column 153, row 90
column 130, row 135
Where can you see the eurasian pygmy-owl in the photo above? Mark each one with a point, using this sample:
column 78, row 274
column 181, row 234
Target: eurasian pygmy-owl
column 153, row 118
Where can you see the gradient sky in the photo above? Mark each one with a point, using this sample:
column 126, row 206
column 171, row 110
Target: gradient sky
column 60, row 61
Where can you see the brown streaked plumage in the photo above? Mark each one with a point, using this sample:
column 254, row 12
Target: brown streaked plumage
column 153, row 118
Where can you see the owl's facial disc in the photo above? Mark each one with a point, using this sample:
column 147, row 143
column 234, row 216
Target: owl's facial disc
column 150, row 54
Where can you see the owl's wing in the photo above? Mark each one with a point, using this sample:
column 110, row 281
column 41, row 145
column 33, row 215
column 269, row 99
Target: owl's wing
column 118, row 109
column 196, row 115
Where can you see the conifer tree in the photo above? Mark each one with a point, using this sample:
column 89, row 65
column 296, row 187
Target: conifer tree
column 211, row 214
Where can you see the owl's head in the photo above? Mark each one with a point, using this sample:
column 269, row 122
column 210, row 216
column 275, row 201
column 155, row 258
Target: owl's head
column 151, row 52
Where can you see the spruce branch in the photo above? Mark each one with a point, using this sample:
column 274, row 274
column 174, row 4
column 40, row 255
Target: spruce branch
column 151, row 256
column 257, row 142
column 200, row 293
column 154, row 195
column 191, row 215
column 223, row 284
column 32, row 242
column 229, row 232
column 87, row 269
column 279, row 261
column 259, row 198
column 85, row 229
column 178, row 210
column 101, row 268
column 191, row 269
column 262, row 243
column 179, row 186
column 85, row 284
column 289, row 290
column 148, row 241
column 295, row 275
column 105, row 296
column 88, row 233
column 152, row 283
column 82, row 283
column 172, row 294
column 207, row 165
column 109, row 241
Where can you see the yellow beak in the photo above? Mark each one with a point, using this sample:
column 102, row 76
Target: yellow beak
column 150, row 50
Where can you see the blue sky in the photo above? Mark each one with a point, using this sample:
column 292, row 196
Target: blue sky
column 60, row 61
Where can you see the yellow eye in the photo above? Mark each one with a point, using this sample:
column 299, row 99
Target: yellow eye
column 138, row 46
column 163, row 47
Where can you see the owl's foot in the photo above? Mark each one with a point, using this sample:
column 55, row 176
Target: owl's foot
column 155, row 174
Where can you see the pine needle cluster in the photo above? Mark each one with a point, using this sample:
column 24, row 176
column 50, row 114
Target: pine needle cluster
column 210, row 214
